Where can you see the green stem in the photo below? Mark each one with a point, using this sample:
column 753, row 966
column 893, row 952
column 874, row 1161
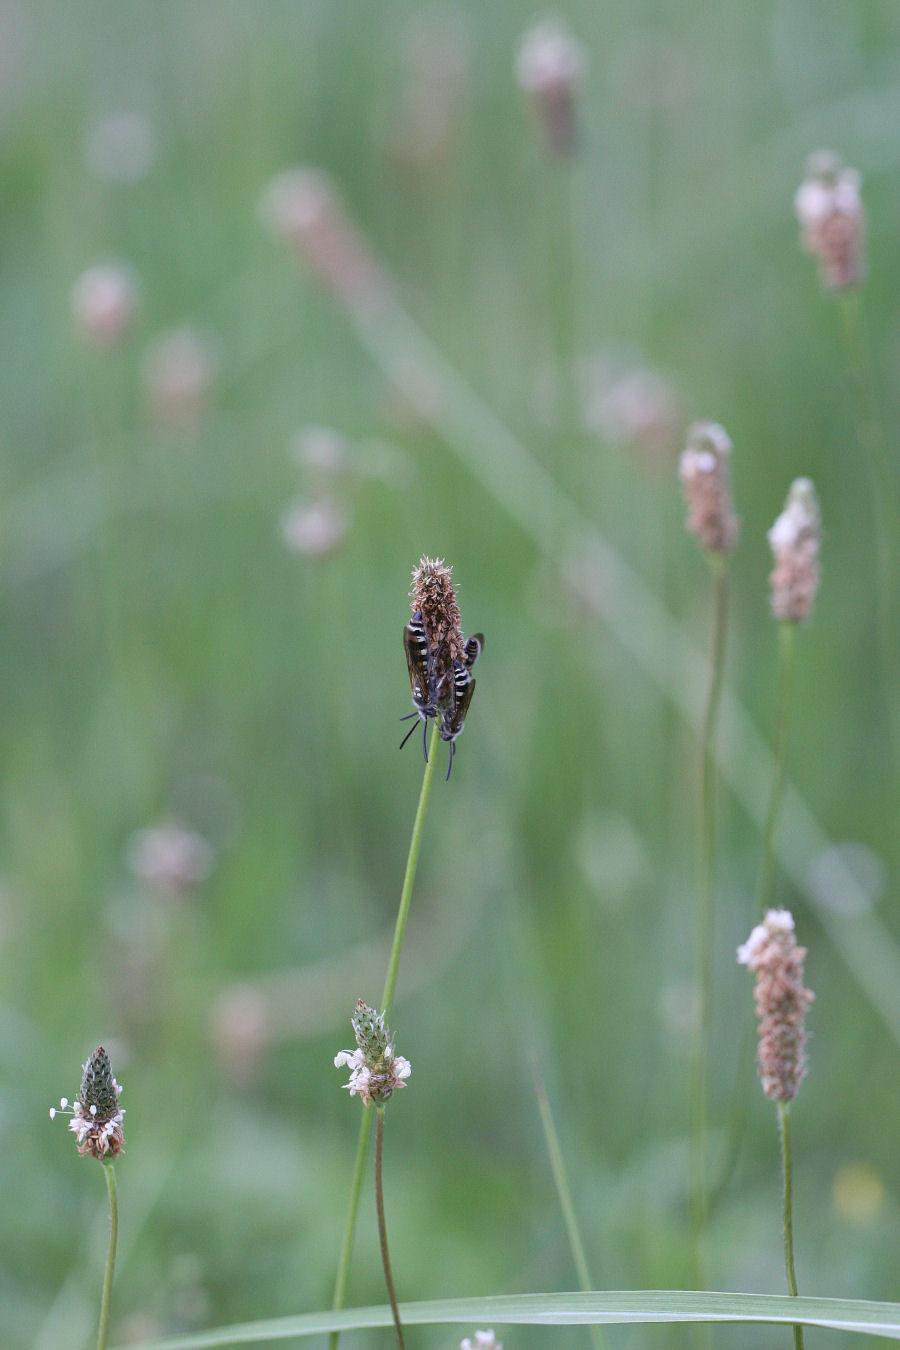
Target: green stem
column 562, row 299
column 564, row 1194
column 705, row 914
column 784, row 1131
column 409, row 877
column 885, row 499
column 415, row 843
column 779, row 761
column 110, row 1173
column 382, row 1226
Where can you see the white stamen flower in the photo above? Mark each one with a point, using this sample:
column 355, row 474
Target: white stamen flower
column 376, row 1071
column 96, row 1115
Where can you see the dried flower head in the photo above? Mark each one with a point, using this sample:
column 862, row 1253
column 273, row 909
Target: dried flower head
column 484, row 1340
column 303, row 210
column 550, row 65
column 832, row 221
column 96, row 1114
column 705, row 482
column 795, row 539
column 376, row 1071
column 105, row 303
column 781, row 1002
column 433, row 593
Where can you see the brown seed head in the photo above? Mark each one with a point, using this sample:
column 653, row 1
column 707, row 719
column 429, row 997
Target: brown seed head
column 432, row 593
column 703, row 470
column 794, row 539
column 781, row 1002
column 832, row 221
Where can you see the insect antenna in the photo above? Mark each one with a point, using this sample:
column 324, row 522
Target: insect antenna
column 450, row 765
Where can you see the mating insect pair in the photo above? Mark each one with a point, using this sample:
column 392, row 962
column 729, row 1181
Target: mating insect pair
column 448, row 696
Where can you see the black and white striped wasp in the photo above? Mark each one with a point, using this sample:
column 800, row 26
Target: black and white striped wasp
column 421, row 665
column 454, row 710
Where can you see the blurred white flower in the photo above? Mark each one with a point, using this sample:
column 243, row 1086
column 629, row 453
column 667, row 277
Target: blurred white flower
column 484, row 1340
column 170, row 857
column 105, row 303
column 315, row 525
column 179, row 369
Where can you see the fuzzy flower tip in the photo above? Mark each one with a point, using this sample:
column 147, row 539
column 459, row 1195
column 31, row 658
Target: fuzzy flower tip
column 550, row 65
column 781, row 1003
column 301, row 208
column 96, row 1115
column 433, row 593
column 483, row 1340
column 832, row 221
column 794, row 539
column 375, row 1070
column 705, row 482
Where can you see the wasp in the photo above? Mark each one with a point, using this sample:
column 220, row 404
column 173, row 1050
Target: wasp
column 454, row 710
column 420, row 663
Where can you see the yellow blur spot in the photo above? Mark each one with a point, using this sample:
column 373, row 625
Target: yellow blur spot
column 857, row 1192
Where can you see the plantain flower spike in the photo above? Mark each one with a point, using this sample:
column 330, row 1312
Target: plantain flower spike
column 433, row 593
column 375, row 1070
column 794, row 540
column 705, row 482
column 781, row 1000
column 832, row 221
column 96, row 1115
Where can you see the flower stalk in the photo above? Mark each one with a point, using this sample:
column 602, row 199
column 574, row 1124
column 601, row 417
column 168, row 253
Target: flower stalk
column 705, row 482
column 564, row 1195
column 109, row 1172
column 382, row 1225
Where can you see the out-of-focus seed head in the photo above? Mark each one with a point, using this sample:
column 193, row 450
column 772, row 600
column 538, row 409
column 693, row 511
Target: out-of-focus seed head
column 795, row 540
column 781, row 1000
column 106, row 303
column 179, row 370
column 302, row 209
column 832, row 220
column 550, row 66
column 315, row 526
column 170, row 857
column 705, row 482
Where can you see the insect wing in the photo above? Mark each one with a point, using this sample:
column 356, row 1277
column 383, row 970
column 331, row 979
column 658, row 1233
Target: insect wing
column 415, row 644
column 455, row 718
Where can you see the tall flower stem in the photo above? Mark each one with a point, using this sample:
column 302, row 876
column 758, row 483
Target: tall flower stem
column 409, row 876
column 785, row 1133
column 779, row 760
column 110, row 1174
column 382, row 1226
column 562, row 298
column 415, row 844
column 885, row 498
column 705, row 912
column 564, row 1194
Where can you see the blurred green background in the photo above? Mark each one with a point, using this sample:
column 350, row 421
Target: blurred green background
column 202, row 604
